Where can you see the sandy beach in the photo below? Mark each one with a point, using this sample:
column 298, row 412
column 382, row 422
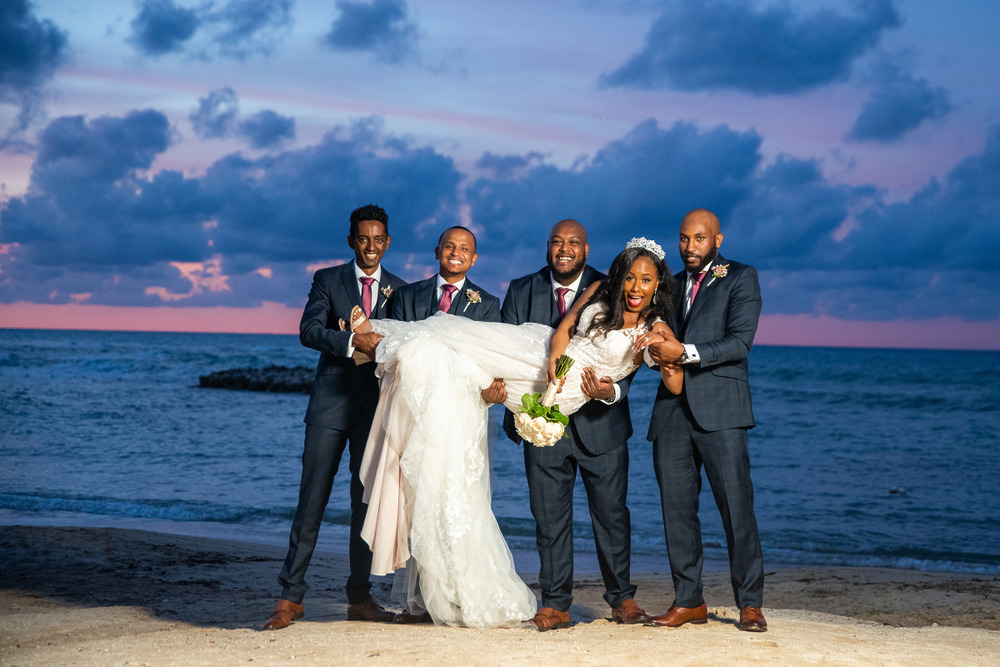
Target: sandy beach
column 102, row 596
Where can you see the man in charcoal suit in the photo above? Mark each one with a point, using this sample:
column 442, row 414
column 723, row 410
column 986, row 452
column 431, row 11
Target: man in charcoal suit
column 340, row 412
column 595, row 443
column 452, row 292
column 706, row 425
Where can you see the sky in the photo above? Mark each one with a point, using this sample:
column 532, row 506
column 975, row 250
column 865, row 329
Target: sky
column 187, row 165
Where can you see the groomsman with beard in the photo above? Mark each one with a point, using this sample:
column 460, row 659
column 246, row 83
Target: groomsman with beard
column 706, row 424
column 595, row 444
column 340, row 412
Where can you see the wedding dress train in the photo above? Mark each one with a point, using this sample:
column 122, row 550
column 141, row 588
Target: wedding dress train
column 426, row 466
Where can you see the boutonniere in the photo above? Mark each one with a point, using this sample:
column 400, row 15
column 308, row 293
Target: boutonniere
column 387, row 291
column 720, row 270
column 472, row 296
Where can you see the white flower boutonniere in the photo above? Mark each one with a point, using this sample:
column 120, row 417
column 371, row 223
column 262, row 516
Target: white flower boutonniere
column 720, row 271
column 472, row 296
column 387, row 291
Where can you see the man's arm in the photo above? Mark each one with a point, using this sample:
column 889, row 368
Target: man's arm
column 741, row 323
column 313, row 331
column 508, row 311
column 492, row 308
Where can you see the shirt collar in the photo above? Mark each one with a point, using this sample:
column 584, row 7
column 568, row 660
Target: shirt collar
column 573, row 287
column 377, row 275
column 441, row 282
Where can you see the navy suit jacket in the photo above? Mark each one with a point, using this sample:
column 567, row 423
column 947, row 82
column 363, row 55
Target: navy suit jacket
column 418, row 301
column 722, row 324
column 598, row 427
column 341, row 387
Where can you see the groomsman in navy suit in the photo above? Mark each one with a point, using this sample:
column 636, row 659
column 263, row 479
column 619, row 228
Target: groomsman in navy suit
column 452, row 292
column 595, row 443
column 340, row 412
column 706, row 425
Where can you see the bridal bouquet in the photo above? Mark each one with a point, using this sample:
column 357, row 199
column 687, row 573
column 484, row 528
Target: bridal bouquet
column 540, row 421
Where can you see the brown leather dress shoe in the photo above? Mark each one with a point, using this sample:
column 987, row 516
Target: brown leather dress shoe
column 406, row 618
column 752, row 620
column 548, row 618
column 629, row 612
column 284, row 613
column 369, row 610
column 677, row 616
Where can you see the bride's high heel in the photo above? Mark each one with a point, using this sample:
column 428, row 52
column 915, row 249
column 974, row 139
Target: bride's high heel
column 359, row 321
column 360, row 324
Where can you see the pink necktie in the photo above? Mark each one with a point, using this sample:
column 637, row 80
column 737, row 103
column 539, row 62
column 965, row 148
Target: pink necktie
column 446, row 292
column 366, row 295
column 694, row 289
column 561, row 300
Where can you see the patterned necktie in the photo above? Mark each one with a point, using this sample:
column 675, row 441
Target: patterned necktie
column 446, row 293
column 561, row 300
column 696, row 278
column 366, row 295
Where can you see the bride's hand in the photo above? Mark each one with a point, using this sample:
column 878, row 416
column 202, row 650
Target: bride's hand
column 646, row 339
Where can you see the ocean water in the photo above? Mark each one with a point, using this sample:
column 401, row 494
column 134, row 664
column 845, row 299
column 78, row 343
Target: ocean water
column 861, row 457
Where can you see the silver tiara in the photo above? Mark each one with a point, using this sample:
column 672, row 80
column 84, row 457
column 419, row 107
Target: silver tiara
column 646, row 244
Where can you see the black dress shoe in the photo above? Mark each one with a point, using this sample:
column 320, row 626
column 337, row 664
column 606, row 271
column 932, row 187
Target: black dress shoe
column 369, row 610
column 407, row 618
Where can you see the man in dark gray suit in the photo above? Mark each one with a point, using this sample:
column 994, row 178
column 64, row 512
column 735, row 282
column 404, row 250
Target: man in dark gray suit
column 595, row 443
column 706, row 425
column 340, row 412
column 450, row 290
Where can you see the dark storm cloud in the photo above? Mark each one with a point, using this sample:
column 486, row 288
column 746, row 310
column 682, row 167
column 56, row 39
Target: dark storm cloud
column 382, row 27
column 161, row 26
column 899, row 103
column 237, row 29
column 30, row 51
column 821, row 247
column 92, row 212
column 638, row 185
column 732, row 45
column 216, row 114
column 267, row 129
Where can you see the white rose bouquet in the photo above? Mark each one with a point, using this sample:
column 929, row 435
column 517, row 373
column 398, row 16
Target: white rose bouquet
column 539, row 421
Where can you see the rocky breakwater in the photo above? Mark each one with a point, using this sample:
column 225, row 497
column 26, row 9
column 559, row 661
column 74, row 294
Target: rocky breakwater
column 273, row 378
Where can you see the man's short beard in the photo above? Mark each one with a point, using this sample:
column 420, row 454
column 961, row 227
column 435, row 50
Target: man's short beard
column 575, row 270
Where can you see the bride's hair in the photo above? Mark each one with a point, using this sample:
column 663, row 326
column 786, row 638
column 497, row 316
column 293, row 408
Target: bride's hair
column 612, row 293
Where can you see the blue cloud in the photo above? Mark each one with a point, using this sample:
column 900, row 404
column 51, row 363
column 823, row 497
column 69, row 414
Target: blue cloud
column 381, row 26
column 267, row 129
column 900, row 103
column 248, row 27
column 161, row 27
column 730, row 45
column 31, row 49
column 92, row 211
column 216, row 114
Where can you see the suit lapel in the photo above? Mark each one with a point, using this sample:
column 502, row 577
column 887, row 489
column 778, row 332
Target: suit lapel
column 351, row 285
column 458, row 300
column 425, row 298
column 542, row 307
column 707, row 288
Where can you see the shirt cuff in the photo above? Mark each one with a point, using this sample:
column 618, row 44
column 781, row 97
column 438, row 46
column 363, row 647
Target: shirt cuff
column 690, row 355
column 350, row 346
column 614, row 399
column 648, row 358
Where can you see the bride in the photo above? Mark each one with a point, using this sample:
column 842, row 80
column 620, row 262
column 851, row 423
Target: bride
column 426, row 467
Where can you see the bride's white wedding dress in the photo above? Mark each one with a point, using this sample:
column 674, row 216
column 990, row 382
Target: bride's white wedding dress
column 426, row 467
